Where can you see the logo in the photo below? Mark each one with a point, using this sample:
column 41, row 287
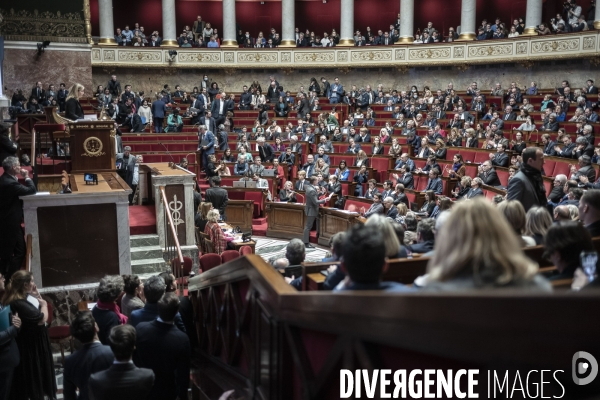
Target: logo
column 579, row 368
column 93, row 147
column 176, row 207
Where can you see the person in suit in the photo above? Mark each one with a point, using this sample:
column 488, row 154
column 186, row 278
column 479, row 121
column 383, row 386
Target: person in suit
column 159, row 109
column 548, row 144
column 488, row 175
column 311, row 208
column 265, row 152
column 73, row 110
column 206, row 143
column 405, row 161
column 568, row 151
column 217, row 196
column 527, row 185
column 9, row 351
column 375, row 208
column 154, row 288
column 166, row 350
column 301, row 40
column 425, row 237
column 301, row 183
column 7, row 146
column 585, row 169
column 475, row 189
column 122, row 380
column 353, row 147
column 500, row 159
column 38, row 93
column 405, row 178
column 389, row 210
column 509, row 114
column 434, row 182
column 336, row 91
column 92, row 357
column 198, row 117
column 114, row 86
column 134, row 122
column 589, row 211
column 12, row 242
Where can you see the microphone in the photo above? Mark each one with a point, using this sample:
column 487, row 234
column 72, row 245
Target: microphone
column 168, row 153
column 298, row 194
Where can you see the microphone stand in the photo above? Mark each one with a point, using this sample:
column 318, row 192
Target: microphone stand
column 169, row 154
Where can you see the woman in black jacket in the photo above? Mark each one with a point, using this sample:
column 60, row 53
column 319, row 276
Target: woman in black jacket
column 281, row 108
column 314, row 87
column 263, row 116
column 73, row 110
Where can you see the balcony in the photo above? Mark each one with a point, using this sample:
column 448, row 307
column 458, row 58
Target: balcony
column 526, row 50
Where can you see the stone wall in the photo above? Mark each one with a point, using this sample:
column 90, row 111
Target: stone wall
column 546, row 76
column 60, row 62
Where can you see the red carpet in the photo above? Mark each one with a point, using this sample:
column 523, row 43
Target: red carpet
column 260, row 225
column 142, row 220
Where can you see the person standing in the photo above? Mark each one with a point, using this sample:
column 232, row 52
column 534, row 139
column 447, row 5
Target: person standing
column 206, row 143
column 123, row 380
column 34, row 376
column 159, row 109
column 92, row 357
column 311, row 208
column 73, row 110
column 9, row 352
column 166, row 350
column 217, row 196
column 527, row 185
column 12, row 242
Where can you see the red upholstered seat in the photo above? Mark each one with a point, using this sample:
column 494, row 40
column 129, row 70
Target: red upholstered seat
column 549, row 167
column 58, row 334
column 45, row 128
column 245, row 250
column 481, row 156
column 257, row 197
column 563, row 168
column 229, row 255
column 548, row 187
column 503, row 176
column 182, row 274
column 209, row 261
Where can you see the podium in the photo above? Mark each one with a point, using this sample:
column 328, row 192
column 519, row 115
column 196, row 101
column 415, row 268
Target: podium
column 93, row 146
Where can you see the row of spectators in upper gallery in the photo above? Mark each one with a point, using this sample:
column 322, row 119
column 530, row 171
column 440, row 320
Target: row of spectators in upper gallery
column 202, row 34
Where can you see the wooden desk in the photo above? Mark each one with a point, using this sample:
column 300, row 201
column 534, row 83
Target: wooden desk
column 315, row 281
column 238, row 245
column 239, row 213
column 286, row 220
column 333, row 221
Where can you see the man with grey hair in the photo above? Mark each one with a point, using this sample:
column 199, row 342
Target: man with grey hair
column 389, row 210
column 295, row 146
column 105, row 312
column 206, row 143
column 12, row 242
column 579, row 116
column 583, row 145
column 295, row 253
column 154, row 289
column 557, row 192
column 585, row 168
column 265, row 153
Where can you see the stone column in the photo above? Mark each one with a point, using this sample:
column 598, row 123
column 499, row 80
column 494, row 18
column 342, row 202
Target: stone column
column 229, row 32
column 347, row 23
column 467, row 20
column 407, row 13
column 107, row 28
column 533, row 17
column 169, row 35
column 288, row 23
column 597, row 17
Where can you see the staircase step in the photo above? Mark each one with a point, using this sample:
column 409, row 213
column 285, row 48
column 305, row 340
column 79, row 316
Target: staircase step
column 146, row 252
column 148, row 266
column 143, row 240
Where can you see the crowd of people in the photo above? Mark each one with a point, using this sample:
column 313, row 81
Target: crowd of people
column 202, row 34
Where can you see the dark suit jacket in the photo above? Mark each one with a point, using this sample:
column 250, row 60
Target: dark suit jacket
column 159, row 109
column 500, row 160
column 474, row 193
column 11, row 208
column 509, row 117
column 435, row 185
column 73, row 110
column 91, row 358
column 218, row 197
column 491, row 178
column 311, row 208
column 422, row 247
column 407, row 180
column 136, row 123
column 521, row 189
column 166, row 350
column 266, row 153
column 121, row 382
column 150, row 313
column 9, row 351
column 556, row 194
column 298, row 182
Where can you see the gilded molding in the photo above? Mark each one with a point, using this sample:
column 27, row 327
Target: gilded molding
column 40, row 26
column 525, row 50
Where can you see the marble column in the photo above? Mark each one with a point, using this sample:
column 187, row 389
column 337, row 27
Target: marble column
column 229, row 32
column 597, row 18
column 169, row 35
column 407, row 13
column 467, row 20
column 288, row 23
column 533, row 17
column 107, row 28
column 347, row 23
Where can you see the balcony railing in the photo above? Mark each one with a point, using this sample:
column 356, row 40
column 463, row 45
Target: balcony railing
column 525, row 49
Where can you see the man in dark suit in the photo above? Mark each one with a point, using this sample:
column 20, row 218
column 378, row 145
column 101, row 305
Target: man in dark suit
column 166, row 350
column 405, row 161
column 568, row 151
column 389, row 210
column 7, row 146
column 488, row 175
column 217, row 196
column 133, row 122
column 219, row 109
column 425, row 237
column 589, row 211
column 509, row 114
column 434, row 183
column 159, row 110
column 405, row 178
column 527, row 185
column 12, row 242
column 548, row 145
column 311, row 209
column 114, row 86
column 558, row 192
column 206, row 144
column 91, row 358
column 265, row 151
column 475, row 188
column 500, row 159
column 198, row 104
column 38, row 93
column 301, row 41
column 154, row 289
column 123, row 380
column 245, row 99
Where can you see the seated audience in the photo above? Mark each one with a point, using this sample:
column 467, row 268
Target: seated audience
column 563, row 245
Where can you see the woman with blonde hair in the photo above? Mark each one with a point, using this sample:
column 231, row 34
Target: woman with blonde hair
column 440, row 149
column 475, row 249
column 73, row 110
column 201, row 217
column 395, row 149
column 538, row 221
column 454, row 139
column 514, row 213
column 402, row 211
column 34, row 377
column 462, row 189
column 361, row 159
column 213, row 230
column 472, row 140
column 393, row 249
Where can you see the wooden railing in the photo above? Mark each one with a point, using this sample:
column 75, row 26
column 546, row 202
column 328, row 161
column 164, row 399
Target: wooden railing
column 28, row 253
column 172, row 250
column 261, row 337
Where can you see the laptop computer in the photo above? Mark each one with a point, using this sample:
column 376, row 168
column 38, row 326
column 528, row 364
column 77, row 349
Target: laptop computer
column 251, row 184
column 269, row 173
column 239, row 184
